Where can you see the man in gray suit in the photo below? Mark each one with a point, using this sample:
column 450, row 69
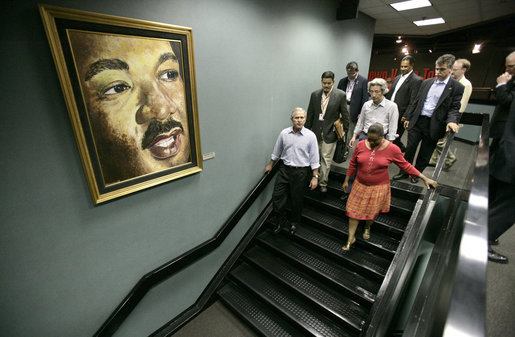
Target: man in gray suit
column 326, row 105
column 403, row 92
column 434, row 111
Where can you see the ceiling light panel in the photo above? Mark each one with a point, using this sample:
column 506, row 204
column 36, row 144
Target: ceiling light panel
column 412, row 4
column 428, row 22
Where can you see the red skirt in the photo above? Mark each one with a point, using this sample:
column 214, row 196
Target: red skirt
column 366, row 202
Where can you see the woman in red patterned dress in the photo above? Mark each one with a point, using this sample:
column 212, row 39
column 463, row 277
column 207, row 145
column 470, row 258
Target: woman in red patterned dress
column 370, row 194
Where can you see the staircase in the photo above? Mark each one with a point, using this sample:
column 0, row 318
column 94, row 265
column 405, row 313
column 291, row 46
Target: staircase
column 306, row 285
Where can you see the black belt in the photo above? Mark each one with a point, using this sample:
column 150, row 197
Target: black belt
column 424, row 117
column 296, row 167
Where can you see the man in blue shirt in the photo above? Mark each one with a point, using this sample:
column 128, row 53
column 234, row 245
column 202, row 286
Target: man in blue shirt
column 434, row 112
column 297, row 147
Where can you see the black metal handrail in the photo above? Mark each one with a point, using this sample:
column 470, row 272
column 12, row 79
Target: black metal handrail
column 390, row 292
column 167, row 270
column 458, row 263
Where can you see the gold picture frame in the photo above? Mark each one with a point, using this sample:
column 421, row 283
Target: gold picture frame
column 129, row 87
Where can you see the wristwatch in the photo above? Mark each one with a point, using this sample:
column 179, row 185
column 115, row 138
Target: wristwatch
column 316, row 176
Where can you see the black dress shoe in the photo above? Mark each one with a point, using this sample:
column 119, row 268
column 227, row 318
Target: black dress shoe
column 293, row 229
column 277, row 228
column 414, row 180
column 277, row 220
column 496, row 257
column 402, row 175
column 493, row 243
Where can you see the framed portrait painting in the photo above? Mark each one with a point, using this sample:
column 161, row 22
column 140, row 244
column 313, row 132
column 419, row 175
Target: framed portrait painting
column 129, row 87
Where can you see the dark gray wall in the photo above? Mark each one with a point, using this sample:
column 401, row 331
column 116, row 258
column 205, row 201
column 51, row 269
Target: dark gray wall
column 66, row 264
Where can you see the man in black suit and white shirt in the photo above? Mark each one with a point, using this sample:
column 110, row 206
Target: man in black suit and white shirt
column 434, row 111
column 326, row 105
column 356, row 90
column 403, row 92
column 501, row 182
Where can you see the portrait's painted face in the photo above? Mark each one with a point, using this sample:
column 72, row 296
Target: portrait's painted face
column 135, row 99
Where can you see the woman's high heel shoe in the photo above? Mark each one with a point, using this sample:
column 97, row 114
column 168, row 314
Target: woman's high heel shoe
column 348, row 245
column 366, row 234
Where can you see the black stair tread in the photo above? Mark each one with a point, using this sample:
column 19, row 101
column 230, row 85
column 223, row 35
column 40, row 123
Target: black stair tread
column 356, row 284
column 403, row 204
column 256, row 314
column 328, row 199
column 288, row 303
column 410, row 188
column 393, row 220
column 345, row 309
column 341, row 225
column 375, row 264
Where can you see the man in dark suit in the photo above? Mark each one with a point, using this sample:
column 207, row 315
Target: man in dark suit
column 501, row 183
column 434, row 111
column 326, row 105
column 356, row 90
column 403, row 92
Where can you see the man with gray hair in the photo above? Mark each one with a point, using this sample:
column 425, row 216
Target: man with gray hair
column 460, row 67
column 434, row 112
column 297, row 147
column 377, row 110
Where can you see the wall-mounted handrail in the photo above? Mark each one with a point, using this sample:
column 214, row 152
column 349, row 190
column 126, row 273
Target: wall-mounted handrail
column 165, row 271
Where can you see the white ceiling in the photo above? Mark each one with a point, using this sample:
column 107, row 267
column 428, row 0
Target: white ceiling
column 456, row 13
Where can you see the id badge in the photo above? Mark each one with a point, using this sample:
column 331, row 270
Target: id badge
column 321, row 117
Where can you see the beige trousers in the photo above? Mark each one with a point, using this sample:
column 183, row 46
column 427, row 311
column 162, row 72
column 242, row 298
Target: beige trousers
column 326, row 159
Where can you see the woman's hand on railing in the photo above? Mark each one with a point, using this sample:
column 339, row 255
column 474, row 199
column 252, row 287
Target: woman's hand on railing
column 428, row 182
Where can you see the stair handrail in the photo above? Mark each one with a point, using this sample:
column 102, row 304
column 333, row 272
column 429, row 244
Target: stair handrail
column 172, row 267
column 458, row 263
column 390, row 291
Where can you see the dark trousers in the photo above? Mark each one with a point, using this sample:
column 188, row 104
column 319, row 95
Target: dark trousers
column 501, row 199
column 290, row 185
column 420, row 133
column 400, row 132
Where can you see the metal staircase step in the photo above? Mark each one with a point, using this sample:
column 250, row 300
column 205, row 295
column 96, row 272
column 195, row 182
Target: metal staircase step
column 339, row 225
column 363, row 289
column 349, row 311
column 395, row 221
column 357, row 256
column 256, row 314
column 288, row 303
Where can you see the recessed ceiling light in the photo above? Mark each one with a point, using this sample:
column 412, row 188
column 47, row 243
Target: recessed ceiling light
column 405, row 5
column 428, row 22
column 477, row 48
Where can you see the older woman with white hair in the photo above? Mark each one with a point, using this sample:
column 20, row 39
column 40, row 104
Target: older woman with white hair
column 377, row 110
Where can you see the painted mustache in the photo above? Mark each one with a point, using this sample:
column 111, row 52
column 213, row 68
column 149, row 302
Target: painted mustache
column 156, row 128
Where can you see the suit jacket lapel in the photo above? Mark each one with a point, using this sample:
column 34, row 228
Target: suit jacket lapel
column 394, row 84
column 446, row 92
